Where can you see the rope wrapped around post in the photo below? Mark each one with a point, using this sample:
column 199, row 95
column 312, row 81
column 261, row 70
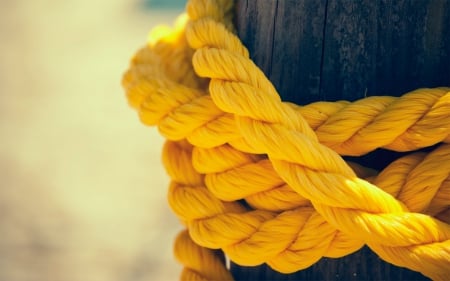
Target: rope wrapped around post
column 264, row 180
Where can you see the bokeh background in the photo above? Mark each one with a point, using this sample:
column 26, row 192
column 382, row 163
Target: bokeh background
column 82, row 188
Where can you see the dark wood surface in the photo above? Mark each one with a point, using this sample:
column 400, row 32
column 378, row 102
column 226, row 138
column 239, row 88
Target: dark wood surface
column 330, row 50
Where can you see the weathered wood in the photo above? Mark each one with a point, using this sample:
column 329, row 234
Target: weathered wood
column 346, row 49
column 285, row 44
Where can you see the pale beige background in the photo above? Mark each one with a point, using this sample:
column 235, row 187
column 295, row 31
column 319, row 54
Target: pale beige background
column 82, row 190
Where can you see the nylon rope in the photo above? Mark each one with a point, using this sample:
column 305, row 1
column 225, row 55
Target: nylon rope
column 264, row 180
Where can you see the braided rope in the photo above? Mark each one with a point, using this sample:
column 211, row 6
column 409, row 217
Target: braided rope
column 232, row 138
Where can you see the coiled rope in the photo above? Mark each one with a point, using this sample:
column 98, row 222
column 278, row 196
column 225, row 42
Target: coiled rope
column 264, row 181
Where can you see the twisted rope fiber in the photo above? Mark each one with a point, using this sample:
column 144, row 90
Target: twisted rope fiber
column 167, row 93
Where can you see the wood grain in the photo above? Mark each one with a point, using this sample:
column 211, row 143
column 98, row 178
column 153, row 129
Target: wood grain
column 346, row 49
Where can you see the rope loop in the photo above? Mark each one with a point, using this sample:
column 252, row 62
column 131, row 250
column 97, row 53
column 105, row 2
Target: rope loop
column 265, row 181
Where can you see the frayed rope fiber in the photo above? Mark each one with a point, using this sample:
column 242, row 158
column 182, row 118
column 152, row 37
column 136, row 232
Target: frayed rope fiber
column 264, row 181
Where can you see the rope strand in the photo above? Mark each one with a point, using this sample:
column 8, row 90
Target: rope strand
column 232, row 140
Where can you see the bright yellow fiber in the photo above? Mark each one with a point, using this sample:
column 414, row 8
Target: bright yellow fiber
column 210, row 267
column 231, row 139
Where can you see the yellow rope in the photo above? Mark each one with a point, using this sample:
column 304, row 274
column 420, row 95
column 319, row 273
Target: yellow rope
column 208, row 267
column 231, row 138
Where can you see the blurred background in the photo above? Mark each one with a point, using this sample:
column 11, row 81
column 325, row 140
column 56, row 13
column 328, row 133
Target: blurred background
column 82, row 188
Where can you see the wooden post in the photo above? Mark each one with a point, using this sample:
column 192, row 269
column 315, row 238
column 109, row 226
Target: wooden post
column 346, row 49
